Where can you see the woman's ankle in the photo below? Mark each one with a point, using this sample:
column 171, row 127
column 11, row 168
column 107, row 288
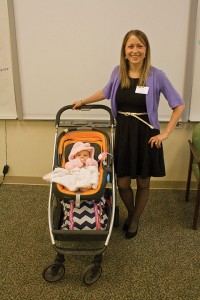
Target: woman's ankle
column 133, row 225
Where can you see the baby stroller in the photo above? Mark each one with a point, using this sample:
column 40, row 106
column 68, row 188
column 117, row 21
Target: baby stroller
column 59, row 195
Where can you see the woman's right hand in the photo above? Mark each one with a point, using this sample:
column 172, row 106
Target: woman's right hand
column 98, row 96
column 77, row 104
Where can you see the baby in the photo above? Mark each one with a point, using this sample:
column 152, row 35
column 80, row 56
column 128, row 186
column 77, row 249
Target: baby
column 81, row 155
column 82, row 167
column 81, row 171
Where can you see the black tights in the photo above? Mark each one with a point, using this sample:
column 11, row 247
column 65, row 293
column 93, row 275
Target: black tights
column 135, row 209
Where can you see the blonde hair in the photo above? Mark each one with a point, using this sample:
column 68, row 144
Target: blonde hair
column 124, row 64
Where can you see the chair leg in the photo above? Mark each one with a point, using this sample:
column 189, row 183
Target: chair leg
column 197, row 207
column 189, row 178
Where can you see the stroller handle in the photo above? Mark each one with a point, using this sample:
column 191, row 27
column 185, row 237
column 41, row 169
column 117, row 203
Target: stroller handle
column 85, row 108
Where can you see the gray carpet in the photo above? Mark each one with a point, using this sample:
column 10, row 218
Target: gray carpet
column 162, row 262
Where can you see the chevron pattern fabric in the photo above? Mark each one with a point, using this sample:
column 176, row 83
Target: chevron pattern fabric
column 90, row 215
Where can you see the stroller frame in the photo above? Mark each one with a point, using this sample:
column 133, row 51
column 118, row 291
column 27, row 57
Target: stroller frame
column 56, row 270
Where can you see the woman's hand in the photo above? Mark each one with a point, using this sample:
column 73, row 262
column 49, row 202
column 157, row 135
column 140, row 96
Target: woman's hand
column 176, row 114
column 158, row 139
column 77, row 104
column 98, row 96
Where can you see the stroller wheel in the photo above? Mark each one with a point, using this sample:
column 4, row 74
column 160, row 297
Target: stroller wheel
column 53, row 272
column 91, row 274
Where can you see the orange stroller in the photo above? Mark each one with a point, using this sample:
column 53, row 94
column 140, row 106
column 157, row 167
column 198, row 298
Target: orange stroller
column 60, row 198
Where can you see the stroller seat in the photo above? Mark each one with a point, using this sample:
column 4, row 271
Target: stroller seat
column 100, row 142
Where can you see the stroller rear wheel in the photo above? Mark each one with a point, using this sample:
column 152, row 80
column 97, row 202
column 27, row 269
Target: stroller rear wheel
column 91, row 274
column 53, row 272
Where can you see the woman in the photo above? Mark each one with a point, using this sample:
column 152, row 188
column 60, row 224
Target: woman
column 134, row 89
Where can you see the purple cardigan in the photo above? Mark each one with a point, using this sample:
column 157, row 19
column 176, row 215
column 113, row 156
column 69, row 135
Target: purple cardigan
column 157, row 83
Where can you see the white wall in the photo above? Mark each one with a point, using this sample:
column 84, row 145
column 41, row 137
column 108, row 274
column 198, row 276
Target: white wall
column 7, row 93
column 67, row 49
column 195, row 99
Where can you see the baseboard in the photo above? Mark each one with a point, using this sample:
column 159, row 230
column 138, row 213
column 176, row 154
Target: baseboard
column 24, row 180
column 155, row 184
column 172, row 185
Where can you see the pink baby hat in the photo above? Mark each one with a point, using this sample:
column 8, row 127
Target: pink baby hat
column 80, row 146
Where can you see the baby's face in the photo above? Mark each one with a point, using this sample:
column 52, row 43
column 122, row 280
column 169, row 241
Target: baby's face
column 83, row 155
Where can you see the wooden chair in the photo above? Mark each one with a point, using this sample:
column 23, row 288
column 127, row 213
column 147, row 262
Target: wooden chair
column 194, row 167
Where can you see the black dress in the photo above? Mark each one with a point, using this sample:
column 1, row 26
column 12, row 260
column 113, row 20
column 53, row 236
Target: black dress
column 133, row 154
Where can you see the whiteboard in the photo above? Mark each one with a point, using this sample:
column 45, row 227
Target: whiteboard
column 68, row 48
column 7, row 92
column 195, row 99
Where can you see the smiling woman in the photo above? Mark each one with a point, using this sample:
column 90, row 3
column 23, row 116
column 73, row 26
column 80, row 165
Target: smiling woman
column 134, row 89
column 135, row 49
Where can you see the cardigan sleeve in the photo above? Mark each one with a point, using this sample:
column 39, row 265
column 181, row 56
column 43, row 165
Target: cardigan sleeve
column 107, row 90
column 166, row 88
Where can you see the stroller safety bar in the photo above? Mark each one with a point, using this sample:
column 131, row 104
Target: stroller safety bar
column 84, row 108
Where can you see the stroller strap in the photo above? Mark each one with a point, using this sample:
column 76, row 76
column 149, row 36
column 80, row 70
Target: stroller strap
column 78, row 200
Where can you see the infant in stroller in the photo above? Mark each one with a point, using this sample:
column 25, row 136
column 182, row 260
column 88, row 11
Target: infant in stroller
column 80, row 172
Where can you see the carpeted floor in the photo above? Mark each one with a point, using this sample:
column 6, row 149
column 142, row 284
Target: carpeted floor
column 161, row 263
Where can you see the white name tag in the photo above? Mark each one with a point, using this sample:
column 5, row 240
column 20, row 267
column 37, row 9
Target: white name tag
column 142, row 90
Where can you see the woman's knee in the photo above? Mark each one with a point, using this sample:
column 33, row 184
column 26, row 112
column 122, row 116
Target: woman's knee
column 143, row 184
column 124, row 183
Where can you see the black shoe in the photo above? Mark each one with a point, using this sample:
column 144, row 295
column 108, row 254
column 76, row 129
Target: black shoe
column 130, row 235
column 125, row 226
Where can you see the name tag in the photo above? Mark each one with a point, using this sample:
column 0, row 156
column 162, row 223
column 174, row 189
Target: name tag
column 142, row 90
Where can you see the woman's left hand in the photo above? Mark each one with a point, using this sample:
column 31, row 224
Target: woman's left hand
column 158, row 139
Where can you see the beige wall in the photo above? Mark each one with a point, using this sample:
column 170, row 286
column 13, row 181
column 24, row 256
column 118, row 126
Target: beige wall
column 30, row 151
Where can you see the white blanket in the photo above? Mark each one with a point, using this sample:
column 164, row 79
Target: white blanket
column 76, row 179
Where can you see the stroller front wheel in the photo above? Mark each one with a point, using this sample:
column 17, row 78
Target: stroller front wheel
column 53, row 272
column 91, row 274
